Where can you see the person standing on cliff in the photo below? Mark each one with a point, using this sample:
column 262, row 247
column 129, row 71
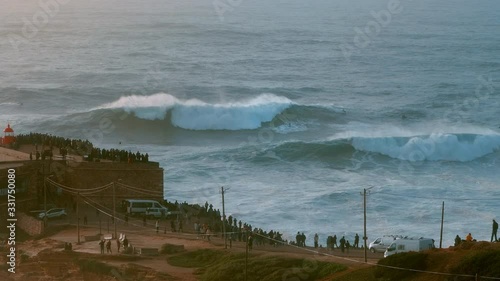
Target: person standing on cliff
column 172, row 225
column 125, row 243
column 108, row 247
column 101, row 244
column 250, row 242
column 469, row 238
column 180, row 226
column 334, row 241
column 356, row 241
column 342, row 244
column 494, row 231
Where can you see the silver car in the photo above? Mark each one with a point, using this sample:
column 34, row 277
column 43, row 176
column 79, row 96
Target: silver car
column 156, row 212
column 53, row 213
column 381, row 243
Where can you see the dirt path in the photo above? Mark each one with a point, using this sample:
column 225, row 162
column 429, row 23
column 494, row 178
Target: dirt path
column 150, row 239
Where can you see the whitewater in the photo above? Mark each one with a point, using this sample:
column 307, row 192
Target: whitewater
column 264, row 101
column 197, row 115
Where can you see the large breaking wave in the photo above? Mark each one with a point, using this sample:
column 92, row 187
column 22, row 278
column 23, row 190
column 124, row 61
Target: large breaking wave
column 432, row 147
column 195, row 114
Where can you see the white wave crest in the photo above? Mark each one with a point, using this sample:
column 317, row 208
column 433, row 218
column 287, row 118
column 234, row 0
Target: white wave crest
column 434, row 147
column 195, row 114
column 11, row 103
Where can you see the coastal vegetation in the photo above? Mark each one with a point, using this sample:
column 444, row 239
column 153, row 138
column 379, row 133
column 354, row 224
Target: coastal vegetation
column 460, row 263
column 219, row 265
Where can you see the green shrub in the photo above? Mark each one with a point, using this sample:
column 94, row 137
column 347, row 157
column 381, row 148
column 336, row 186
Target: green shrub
column 484, row 263
column 94, row 266
column 269, row 269
column 171, row 249
column 24, row 257
column 364, row 274
column 411, row 260
column 199, row 258
column 217, row 265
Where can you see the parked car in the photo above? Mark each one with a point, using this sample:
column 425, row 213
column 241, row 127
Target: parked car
column 53, row 213
column 381, row 243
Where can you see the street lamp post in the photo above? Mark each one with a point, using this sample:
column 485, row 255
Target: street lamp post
column 246, row 255
column 44, row 198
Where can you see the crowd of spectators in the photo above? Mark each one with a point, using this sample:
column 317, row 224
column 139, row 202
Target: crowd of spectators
column 45, row 143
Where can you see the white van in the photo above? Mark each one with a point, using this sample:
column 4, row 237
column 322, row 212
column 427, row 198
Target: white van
column 140, row 206
column 404, row 245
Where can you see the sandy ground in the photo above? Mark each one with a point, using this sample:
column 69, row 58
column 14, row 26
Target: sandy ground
column 12, row 155
column 145, row 236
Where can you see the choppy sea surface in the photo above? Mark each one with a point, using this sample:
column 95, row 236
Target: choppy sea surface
column 295, row 107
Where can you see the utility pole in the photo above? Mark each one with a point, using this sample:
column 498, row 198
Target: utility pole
column 78, row 217
column 246, row 255
column 364, row 221
column 442, row 221
column 45, row 176
column 44, row 197
column 114, row 207
column 224, row 218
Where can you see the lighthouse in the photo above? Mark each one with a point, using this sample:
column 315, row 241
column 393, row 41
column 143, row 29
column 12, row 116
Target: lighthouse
column 8, row 137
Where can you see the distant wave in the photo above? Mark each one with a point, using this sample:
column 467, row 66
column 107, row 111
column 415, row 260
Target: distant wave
column 10, row 103
column 195, row 114
column 299, row 150
column 433, row 147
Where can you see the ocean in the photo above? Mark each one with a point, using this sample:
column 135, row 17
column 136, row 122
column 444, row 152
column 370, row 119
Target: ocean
column 294, row 107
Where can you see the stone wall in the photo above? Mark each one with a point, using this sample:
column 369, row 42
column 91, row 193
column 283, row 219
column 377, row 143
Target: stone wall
column 30, row 225
column 145, row 178
column 26, row 182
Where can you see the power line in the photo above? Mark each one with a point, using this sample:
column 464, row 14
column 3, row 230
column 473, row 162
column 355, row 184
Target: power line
column 88, row 191
column 82, row 190
column 137, row 189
